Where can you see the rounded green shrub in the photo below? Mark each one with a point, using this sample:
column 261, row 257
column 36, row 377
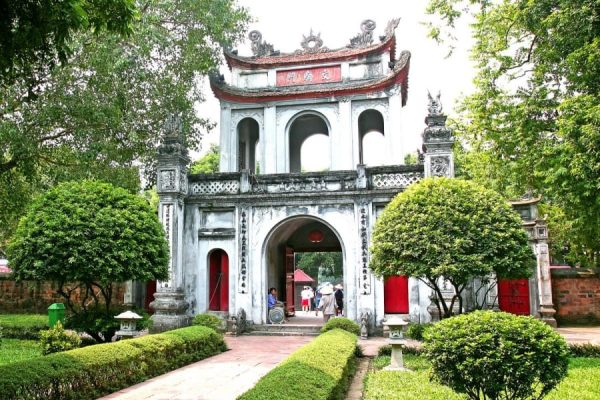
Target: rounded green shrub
column 416, row 331
column 341, row 323
column 56, row 339
column 496, row 355
column 208, row 320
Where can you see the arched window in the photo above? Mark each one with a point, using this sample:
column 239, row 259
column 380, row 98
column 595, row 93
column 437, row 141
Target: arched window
column 371, row 137
column 248, row 140
column 309, row 144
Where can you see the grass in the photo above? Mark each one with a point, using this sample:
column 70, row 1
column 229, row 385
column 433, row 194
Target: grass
column 23, row 326
column 581, row 382
column 12, row 350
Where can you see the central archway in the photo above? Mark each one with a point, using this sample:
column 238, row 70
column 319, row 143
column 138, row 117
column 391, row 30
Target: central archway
column 301, row 235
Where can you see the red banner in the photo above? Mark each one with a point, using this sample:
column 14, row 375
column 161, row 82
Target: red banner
column 309, row 76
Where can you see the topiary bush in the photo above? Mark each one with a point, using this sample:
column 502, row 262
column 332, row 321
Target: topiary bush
column 208, row 320
column 56, row 339
column 320, row 370
column 496, row 355
column 341, row 323
column 95, row 371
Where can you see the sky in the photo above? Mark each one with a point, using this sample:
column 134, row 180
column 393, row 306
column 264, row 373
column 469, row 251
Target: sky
column 283, row 23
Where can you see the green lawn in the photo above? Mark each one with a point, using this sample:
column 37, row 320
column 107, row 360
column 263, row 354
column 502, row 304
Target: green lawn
column 23, row 326
column 581, row 383
column 12, row 350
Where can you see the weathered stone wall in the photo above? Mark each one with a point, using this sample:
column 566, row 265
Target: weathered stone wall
column 35, row 297
column 576, row 296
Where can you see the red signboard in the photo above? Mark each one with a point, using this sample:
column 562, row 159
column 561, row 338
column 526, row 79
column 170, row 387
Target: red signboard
column 309, row 76
column 513, row 296
column 395, row 295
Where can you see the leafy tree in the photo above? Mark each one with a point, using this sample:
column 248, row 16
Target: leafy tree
column 99, row 116
column 533, row 123
column 496, row 356
column 326, row 265
column 452, row 229
column 209, row 163
column 86, row 236
column 411, row 159
column 35, row 35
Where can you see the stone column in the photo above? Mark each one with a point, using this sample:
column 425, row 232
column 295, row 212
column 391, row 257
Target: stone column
column 225, row 139
column 169, row 304
column 437, row 142
column 393, row 130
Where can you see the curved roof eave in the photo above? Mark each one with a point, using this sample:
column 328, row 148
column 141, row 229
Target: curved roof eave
column 399, row 75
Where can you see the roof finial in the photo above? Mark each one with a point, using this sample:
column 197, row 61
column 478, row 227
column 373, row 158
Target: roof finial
column 259, row 47
column 312, row 43
column 435, row 105
column 365, row 38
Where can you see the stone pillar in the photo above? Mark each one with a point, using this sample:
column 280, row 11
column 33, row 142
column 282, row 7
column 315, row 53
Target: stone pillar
column 393, row 131
column 270, row 141
column 437, row 142
column 225, row 140
column 538, row 239
column 172, row 186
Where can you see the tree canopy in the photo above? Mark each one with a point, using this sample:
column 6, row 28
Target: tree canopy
column 209, row 163
column 450, row 228
column 533, row 123
column 99, row 116
column 36, row 35
column 87, row 236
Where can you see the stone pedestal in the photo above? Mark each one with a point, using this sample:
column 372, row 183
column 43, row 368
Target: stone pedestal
column 169, row 311
column 396, row 327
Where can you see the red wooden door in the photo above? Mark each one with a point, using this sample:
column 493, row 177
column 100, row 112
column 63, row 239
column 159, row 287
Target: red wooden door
column 218, row 280
column 513, row 296
column 289, row 281
column 150, row 290
column 395, row 295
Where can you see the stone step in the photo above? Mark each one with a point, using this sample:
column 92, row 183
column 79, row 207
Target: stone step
column 279, row 333
column 286, row 328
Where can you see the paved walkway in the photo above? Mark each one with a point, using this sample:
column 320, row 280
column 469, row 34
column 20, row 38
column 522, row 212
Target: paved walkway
column 581, row 334
column 222, row 377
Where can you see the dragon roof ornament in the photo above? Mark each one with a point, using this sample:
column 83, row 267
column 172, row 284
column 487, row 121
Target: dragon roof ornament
column 365, row 38
column 259, row 47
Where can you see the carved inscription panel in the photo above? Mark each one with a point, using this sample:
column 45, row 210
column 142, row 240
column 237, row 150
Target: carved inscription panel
column 309, row 76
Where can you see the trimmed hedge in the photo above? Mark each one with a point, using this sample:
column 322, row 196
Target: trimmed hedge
column 95, row 371
column 320, row 370
column 341, row 323
column 584, row 350
column 23, row 326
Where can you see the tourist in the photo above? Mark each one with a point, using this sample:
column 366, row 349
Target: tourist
column 327, row 304
column 307, row 296
column 339, row 299
column 317, row 302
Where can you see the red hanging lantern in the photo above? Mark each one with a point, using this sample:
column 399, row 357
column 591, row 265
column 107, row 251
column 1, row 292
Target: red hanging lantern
column 315, row 236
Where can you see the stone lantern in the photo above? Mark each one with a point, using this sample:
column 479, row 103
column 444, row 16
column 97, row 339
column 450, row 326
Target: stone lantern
column 396, row 327
column 128, row 320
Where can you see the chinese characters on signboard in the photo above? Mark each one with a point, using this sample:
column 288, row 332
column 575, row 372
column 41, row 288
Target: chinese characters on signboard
column 309, row 76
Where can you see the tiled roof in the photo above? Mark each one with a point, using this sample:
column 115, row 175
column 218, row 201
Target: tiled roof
column 298, row 58
column 399, row 75
column 301, row 276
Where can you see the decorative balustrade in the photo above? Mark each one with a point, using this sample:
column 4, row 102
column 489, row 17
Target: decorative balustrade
column 374, row 178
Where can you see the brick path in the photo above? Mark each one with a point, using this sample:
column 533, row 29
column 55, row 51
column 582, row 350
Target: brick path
column 222, row 377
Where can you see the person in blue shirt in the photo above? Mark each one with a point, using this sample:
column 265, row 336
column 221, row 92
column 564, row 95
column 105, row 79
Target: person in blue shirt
column 272, row 297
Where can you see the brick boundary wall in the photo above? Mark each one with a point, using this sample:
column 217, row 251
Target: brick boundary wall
column 576, row 296
column 35, row 297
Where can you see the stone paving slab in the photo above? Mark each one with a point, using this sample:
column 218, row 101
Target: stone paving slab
column 222, row 377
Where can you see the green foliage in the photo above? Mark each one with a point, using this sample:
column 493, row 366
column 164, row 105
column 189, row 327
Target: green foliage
column 416, row 331
column 208, row 320
column 451, row 228
column 209, row 163
column 533, row 122
column 341, row 323
column 319, row 370
column 23, row 326
column 36, row 35
column 411, row 159
column 387, row 350
column 95, row 371
column 15, row 350
column 56, row 339
column 101, row 114
column 413, row 385
column 496, row 355
column 92, row 235
column 321, row 266
column 584, row 350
